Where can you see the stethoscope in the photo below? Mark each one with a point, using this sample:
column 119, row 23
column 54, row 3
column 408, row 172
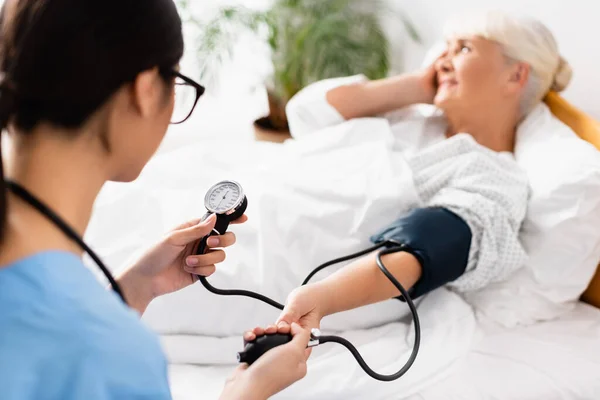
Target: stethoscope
column 227, row 200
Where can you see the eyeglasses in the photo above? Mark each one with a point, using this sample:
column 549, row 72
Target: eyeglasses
column 187, row 94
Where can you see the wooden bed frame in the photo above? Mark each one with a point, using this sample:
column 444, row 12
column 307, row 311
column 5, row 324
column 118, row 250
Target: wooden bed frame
column 589, row 130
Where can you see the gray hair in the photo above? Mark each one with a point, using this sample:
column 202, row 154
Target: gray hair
column 523, row 39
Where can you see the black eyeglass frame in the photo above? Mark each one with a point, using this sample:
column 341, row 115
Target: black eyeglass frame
column 190, row 82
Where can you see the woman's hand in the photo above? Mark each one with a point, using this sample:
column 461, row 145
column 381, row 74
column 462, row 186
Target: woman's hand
column 273, row 371
column 305, row 307
column 427, row 79
column 170, row 265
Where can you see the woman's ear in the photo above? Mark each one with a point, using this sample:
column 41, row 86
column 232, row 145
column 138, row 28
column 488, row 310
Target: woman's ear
column 519, row 75
column 146, row 92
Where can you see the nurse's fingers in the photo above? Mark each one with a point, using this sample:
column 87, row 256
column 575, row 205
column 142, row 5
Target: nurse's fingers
column 183, row 237
column 198, row 221
column 210, row 258
column 248, row 337
column 225, row 240
column 188, row 224
column 251, row 335
column 202, row 271
column 259, row 331
column 271, row 329
column 284, row 327
column 240, row 220
column 301, row 339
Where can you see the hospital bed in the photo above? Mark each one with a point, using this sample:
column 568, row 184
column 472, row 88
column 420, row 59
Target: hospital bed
column 554, row 359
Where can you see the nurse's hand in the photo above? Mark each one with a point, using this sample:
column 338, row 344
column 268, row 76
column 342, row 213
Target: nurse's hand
column 169, row 266
column 273, row 371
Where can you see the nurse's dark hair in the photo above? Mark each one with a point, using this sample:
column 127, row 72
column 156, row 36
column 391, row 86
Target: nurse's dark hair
column 61, row 60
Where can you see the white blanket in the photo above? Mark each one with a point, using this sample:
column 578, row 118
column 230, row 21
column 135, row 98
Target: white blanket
column 309, row 201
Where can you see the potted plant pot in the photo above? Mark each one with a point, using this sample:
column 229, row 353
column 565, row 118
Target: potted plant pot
column 273, row 127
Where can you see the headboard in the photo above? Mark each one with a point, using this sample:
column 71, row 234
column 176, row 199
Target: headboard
column 589, row 130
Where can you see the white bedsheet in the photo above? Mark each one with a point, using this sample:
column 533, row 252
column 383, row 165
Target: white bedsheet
column 385, row 349
column 556, row 360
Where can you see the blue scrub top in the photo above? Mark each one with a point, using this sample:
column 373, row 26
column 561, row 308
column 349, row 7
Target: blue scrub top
column 64, row 336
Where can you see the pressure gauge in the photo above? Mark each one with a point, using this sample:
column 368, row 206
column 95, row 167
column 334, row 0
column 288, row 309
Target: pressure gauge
column 227, row 200
column 226, row 197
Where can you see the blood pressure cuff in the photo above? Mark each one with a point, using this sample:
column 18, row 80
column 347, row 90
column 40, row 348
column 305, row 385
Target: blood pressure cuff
column 438, row 238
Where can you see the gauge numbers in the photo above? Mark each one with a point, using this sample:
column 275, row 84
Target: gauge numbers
column 224, row 197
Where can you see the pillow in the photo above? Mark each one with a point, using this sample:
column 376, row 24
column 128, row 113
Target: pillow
column 588, row 130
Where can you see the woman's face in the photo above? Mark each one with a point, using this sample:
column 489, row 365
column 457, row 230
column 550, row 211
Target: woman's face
column 146, row 109
column 471, row 74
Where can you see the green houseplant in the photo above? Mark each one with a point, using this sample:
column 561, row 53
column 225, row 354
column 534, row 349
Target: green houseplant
column 309, row 40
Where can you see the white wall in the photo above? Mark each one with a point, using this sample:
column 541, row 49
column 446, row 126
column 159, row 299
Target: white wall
column 229, row 107
column 575, row 23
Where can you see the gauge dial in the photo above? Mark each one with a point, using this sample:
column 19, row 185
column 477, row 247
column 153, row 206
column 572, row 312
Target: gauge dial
column 224, row 197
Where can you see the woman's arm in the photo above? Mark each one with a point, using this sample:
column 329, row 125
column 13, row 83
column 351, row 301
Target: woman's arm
column 362, row 283
column 371, row 98
column 359, row 284
column 437, row 252
column 331, row 101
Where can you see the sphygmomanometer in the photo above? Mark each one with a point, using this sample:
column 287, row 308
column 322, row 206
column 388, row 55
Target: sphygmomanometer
column 438, row 238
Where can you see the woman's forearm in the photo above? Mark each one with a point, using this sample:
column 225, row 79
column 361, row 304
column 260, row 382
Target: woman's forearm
column 362, row 282
column 367, row 99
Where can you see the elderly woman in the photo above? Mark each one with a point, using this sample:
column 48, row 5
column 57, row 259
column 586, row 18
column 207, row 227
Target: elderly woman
column 494, row 70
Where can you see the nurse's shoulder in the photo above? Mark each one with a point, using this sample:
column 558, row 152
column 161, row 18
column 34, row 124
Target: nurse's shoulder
column 63, row 335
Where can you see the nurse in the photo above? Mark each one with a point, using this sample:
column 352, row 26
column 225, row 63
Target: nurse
column 87, row 92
